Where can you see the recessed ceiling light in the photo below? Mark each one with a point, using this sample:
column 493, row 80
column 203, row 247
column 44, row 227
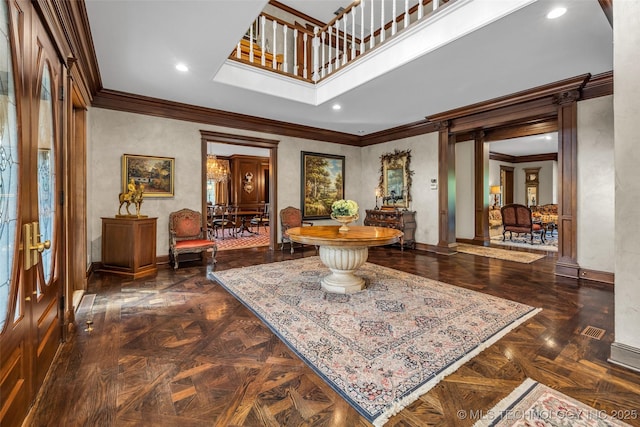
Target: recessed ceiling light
column 336, row 107
column 182, row 67
column 548, row 137
column 556, row 13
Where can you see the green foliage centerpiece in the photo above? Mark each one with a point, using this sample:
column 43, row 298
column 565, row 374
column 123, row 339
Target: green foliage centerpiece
column 344, row 211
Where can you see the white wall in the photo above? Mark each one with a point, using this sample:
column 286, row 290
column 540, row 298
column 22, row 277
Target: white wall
column 424, row 163
column 465, row 190
column 596, row 184
column 626, row 105
column 112, row 134
column 548, row 180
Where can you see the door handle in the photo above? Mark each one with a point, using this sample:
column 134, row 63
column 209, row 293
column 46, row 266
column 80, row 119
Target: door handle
column 31, row 244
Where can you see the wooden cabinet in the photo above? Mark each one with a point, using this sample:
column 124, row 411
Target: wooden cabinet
column 404, row 221
column 129, row 246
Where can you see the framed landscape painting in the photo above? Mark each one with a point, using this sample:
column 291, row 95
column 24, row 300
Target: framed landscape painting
column 322, row 184
column 156, row 173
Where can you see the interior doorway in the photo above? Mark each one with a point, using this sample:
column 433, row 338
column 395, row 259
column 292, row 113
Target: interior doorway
column 243, row 143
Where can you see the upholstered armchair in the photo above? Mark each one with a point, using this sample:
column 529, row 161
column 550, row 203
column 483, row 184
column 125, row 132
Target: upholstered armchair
column 186, row 236
column 290, row 217
column 517, row 218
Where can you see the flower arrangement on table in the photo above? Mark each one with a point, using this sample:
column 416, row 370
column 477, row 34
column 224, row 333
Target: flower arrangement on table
column 344, row 211
column 344, row 208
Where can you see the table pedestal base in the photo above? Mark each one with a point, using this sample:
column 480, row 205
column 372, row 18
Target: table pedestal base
column 343, row 261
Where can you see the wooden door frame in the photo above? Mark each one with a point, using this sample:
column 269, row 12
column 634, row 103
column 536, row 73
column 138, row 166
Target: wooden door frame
column 556, row 101
column 247, row 141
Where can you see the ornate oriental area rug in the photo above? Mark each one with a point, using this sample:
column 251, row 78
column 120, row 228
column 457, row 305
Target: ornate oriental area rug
column 523, row 241
column 534, row 404
column 245, row 240
column 380, row 348
column 504, row 254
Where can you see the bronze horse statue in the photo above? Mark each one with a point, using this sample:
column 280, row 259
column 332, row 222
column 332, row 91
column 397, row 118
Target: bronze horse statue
column 130, row 197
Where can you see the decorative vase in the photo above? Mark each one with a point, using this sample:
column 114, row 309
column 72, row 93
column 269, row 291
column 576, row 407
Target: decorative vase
column 345, row 220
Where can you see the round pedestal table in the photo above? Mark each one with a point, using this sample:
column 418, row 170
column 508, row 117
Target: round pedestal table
column 344, row 252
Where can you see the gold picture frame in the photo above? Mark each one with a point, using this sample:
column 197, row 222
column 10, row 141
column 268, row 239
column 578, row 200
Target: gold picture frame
column 395, row 179
column 156, row 173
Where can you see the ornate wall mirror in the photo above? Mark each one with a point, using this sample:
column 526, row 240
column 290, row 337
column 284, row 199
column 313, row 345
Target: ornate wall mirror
column 395, row 179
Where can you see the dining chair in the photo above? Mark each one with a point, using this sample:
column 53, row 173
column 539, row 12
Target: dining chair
column 224, row 219
column 262, row 219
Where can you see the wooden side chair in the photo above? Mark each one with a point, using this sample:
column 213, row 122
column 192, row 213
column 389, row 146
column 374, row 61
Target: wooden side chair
column 262, row 219
column 186, row 236
column 290, row 217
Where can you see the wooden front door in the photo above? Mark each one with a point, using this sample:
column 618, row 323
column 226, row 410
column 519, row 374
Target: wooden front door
column 31, row 78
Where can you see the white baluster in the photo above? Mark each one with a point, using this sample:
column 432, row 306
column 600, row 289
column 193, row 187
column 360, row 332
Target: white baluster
column 295, row 51
column 362, row 43
column 353, row 33
column 337, row 57
column 274, row 65
column 381, row 21
column 306, row 55
column 285, row 63
column 330, row 65
column 394, row 25
column 262, row 38
column 435, row 4
column 316, row 54
column 251, row 44
column 406, row 13
column 322, row 66
column 345, row 47
column 371, row 38
column 420, row 9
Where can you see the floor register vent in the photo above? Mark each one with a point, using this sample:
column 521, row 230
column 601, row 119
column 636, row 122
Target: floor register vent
column 593, row 332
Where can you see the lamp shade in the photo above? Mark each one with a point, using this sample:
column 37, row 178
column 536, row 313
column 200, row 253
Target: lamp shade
column 494, row 189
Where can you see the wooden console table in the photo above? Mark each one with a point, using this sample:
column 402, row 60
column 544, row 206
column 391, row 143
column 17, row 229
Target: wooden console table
column 404, row 221
column 129, row 246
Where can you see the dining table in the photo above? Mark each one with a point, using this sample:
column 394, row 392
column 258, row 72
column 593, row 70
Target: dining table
column 343, row 252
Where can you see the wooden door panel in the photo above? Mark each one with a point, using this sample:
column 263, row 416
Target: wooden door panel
column 15, row 315
column 46, row 109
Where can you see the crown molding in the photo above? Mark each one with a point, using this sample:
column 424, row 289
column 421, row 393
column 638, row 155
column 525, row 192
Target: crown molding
column 523, row 159
column 133, row 103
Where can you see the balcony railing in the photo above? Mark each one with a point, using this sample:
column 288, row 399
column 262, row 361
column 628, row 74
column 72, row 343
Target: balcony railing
column 314, row 54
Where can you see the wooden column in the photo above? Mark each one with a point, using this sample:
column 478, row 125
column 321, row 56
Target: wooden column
column 481, row 173
column 447, row 190
column 567, row 264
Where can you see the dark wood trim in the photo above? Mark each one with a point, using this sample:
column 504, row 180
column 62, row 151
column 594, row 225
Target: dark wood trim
column 297, row 13
column 517, row 98
column 481, row 190
column 271, row 145
column 405, row 131
column 607, row 8
column 567, row 264
column 598, row 85
column 446, row 189
column 68, row 25
column 132, row 103
column 597, row 276
column 523, row 159
column 536, row 127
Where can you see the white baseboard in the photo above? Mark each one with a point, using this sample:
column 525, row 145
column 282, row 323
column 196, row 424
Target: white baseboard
column 625, row 356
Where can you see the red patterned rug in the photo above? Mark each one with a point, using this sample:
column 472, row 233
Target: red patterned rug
column 245, row 240
column 380, row 348
column 534, row 404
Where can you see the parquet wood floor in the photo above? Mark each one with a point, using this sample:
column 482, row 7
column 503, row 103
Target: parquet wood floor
column 178, row 350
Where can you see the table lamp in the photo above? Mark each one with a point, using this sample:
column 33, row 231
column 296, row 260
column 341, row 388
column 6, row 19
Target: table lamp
column 494, row 190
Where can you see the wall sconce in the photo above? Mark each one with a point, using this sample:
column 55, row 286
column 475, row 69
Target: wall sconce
column 494, row 190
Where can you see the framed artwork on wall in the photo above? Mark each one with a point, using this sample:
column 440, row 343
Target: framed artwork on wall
column 322, row 184
column 155, row 173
